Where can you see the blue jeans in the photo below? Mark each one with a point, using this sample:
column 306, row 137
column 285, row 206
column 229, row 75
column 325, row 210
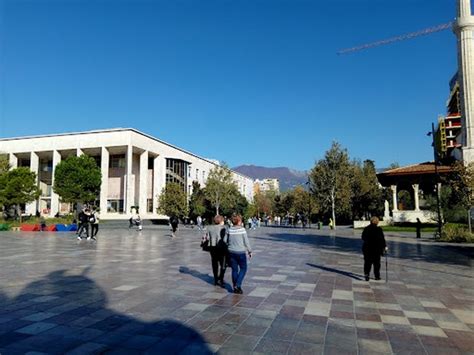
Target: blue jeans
column 238, row 263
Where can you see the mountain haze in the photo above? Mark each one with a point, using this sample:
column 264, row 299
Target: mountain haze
column 288, row 178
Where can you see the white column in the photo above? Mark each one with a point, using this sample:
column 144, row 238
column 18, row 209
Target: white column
column 416, row 189
column 104, row 185
column 159, row 179
column 464, row 8
column 13, row 161
column 32, row 207
column 143, row 183
column 129, row 183
column 79, row 152
column 464, row 31
column 54, row 196
column 394, row 198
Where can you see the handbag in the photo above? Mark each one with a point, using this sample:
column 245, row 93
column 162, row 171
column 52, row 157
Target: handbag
column 205, row 245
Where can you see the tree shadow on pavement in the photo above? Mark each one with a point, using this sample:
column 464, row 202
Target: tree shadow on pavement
column 63, row 313
column 340, row 272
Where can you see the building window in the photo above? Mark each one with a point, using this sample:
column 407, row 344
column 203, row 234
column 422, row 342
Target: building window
column 149, row 205
column 117, row 161
column 176, row 171
column 115, row 206
column 24, row 163
column 98, row 160
column 203, row 176
column 151, row 163
column 197, row 174
column 46, row 166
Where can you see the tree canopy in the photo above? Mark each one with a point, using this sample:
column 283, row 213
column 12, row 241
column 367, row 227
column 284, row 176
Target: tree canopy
column 330, row 181
column 173, row 201
column 77, row 179
column 4, row 163
column 220, row 188
column 18, row 186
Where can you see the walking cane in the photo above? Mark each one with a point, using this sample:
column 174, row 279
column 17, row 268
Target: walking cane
column 386, row 266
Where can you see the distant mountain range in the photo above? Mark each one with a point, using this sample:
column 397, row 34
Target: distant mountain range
column 288, row 178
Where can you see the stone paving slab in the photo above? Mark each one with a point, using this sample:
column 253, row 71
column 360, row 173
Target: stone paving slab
column 143, row 292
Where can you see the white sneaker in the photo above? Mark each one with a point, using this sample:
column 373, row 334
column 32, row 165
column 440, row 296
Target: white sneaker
column 79, row 238
column 88, row 238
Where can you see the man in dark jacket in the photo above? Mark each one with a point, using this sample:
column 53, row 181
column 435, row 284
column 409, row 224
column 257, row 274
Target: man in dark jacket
column 373, row 247
column 174, row 221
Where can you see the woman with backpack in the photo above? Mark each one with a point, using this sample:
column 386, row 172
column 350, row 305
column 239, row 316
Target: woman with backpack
column 218, row 249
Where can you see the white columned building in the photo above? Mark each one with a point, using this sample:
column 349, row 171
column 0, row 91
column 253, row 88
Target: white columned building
column 54, row 196
column 135, row 169
column 104, row 186
column 464, row 29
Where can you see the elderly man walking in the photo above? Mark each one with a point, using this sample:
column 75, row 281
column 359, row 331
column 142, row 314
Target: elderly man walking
column 373, row 248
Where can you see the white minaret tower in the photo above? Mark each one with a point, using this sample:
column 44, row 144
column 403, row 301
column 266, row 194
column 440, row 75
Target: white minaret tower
column 464, row 29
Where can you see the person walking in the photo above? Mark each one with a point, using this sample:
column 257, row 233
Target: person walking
column 94, row 220
column 85, row 223
column 373, row 248
column 174, row 221
column 216, row 235
column 199, row 222
column 418, row 228
column 239, row 246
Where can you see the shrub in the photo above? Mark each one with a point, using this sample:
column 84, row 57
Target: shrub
column 456, row 233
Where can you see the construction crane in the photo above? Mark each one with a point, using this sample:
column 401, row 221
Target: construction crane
column 426, row 31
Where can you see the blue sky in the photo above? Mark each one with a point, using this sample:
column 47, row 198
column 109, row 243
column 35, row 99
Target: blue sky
column 244, row 81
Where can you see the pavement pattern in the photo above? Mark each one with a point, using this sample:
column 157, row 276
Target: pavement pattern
column 144, row 292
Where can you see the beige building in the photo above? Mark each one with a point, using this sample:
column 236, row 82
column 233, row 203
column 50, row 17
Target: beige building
column 135, row 168
column 267, row 185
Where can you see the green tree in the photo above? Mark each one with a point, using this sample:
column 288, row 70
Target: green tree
column 330, row 181
column 220, row 188
column 4, row 164
column 197, row 201
column 456, row 194
column 300, row 200
column 18, row 186
column 77, row 179
column 237, row 203
column 173, row 201
column 366, row 191
column 264, row 202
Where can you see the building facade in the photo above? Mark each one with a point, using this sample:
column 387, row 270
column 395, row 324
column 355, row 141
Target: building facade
column 135, row 169
column 267, row 185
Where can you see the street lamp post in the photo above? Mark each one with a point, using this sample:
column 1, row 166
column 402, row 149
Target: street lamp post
column 438, row 205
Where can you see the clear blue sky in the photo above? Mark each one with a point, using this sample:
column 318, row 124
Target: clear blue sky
column 244, row 81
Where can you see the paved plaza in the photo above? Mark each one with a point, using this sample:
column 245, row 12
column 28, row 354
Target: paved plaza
column 143, row 292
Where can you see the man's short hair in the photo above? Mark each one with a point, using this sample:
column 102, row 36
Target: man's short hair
column 218, row 219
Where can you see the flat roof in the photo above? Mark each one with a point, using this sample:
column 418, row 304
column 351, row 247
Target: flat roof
column 111, row 130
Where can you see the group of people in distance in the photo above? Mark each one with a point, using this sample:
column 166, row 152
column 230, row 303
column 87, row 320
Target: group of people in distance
column 228, row 247
column 88, row 223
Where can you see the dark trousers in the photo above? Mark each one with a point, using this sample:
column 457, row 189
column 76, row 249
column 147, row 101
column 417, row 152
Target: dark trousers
column 218, row 265
column 82, row 228
column 94, row 229
column 370, row 259
column 238, row 263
